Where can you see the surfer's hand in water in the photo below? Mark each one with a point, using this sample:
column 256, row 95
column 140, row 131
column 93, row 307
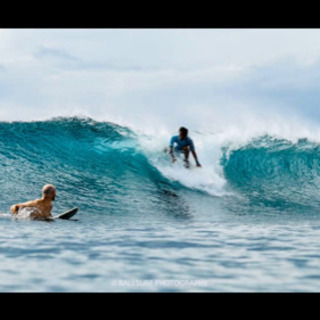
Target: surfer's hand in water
column 14, row 209
column 173, row 160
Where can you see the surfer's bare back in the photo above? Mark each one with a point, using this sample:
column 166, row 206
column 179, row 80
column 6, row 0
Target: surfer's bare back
column 41, row 207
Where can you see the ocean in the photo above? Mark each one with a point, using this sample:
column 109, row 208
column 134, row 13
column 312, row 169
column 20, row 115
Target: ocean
column 247, row 221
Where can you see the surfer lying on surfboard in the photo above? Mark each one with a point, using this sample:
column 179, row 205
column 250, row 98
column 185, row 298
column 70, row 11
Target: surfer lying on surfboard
column 40, row 209
column 184, row 145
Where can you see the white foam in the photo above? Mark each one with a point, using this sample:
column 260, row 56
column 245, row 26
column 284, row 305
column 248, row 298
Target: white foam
column 25, row 213
column 5, row 215
column 209, row 141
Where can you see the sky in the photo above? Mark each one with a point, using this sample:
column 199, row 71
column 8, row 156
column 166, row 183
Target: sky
column 160, row 77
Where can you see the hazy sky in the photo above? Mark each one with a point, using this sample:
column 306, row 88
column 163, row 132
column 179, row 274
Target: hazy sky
column 155, row 75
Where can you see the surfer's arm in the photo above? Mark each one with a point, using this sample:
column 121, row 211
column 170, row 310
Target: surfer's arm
column 196, row 158
column 193, row 151
column 172, row 141
column 172, row 154
column 16, row 207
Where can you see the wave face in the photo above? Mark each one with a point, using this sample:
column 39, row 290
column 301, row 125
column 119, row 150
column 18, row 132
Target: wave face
column 93, row 165
column 99, row 165
column 275, row 172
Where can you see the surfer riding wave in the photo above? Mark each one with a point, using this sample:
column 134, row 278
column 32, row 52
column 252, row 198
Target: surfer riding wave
column 184, row 145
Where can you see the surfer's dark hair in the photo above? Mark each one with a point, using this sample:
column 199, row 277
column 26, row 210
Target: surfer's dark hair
column 184, row 131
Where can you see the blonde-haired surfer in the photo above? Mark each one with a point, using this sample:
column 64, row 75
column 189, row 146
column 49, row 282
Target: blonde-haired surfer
column 39, row 208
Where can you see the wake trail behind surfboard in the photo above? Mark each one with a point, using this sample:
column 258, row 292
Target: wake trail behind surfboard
column 5, row 215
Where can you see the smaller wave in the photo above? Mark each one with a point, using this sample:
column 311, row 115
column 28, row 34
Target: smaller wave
column 275, row 171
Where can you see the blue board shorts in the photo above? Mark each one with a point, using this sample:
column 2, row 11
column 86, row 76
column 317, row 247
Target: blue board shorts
column 178, row 152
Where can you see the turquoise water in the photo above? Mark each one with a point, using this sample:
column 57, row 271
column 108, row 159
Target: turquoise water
column 247, row 221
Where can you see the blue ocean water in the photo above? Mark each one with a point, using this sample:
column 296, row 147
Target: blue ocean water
column 247, row 221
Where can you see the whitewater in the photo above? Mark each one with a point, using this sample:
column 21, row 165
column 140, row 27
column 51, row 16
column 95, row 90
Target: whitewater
column 248, row 220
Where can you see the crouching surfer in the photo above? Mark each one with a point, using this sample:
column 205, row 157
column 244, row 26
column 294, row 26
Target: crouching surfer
column 184, row 145
column 39, row 209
